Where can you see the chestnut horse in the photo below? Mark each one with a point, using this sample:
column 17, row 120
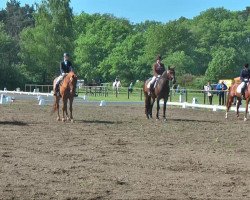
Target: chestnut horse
column 67, row 92
column 161, row 91
column 233, row 93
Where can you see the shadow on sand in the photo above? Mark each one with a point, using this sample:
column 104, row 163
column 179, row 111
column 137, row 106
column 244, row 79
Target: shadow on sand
column 98, row 121
column 14, row 123
column 192, row 120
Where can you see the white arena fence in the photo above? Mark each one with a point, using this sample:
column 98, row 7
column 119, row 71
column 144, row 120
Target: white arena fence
column 47, row 98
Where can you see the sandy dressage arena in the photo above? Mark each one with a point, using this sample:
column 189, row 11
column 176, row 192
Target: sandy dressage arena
column 113, row 152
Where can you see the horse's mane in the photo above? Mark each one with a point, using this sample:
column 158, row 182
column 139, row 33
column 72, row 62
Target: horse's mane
column 70, row 75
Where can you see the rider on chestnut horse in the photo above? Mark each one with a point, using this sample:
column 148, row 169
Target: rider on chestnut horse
column 158, row 69
column 65, row 68
column 244, row 77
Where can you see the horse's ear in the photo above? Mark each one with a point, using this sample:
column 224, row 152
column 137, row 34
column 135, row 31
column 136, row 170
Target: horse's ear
column 171, row 67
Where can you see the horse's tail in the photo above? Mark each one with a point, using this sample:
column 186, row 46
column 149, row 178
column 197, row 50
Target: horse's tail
column 55, row 106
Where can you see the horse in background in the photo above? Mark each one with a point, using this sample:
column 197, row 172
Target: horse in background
column 234, row 92
column 161, row 91
column 116, row 86
column 67, row 92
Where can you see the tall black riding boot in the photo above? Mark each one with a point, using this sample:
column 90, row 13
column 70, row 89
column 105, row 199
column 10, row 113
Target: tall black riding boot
column 243, row 93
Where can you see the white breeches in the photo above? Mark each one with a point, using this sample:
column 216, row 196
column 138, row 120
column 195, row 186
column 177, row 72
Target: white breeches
column 240, row 87
column 59, row 79
column 152, row 80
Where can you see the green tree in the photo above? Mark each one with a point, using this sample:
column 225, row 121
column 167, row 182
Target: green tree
column 10, row 75
column 16, row 17
column 167, row 39
column 43, row 46
column 94, row 45
column 223, row 65
column 183, row 63
column 123, row 60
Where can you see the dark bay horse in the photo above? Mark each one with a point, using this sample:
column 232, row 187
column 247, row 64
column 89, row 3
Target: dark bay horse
column 67, row 92
column 233, row 93
column 161, row 91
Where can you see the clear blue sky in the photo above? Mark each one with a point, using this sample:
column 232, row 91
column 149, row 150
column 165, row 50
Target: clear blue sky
column 141, row 10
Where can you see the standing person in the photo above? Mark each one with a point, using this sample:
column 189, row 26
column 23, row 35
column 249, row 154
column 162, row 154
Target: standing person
column 130, row 87
column 208, row 88
column 158, row 69
column 221, row 87
column 244, row 77
column 65, row 67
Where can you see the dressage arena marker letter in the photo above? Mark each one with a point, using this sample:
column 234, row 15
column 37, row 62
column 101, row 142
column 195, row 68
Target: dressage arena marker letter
column 41, row 102
column 103, row 103
column 2, row 99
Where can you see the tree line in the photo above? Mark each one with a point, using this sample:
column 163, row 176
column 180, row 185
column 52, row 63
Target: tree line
column 213, row 45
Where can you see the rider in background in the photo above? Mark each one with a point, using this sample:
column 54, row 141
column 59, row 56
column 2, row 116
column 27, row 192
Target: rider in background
column 65, row 67
column 158, row 69
column 244, row 77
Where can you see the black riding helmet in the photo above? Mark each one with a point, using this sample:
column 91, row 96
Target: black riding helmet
column 65, row 54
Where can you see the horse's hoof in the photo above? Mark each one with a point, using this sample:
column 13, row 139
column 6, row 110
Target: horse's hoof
column 63, row 120
column 245, row 119
column 58, row 118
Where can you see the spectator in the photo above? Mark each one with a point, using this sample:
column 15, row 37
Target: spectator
column 130, row 87
column 208, row 89
column 178, row 88
column 221, row 88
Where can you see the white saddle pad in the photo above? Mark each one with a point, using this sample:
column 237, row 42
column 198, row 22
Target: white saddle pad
column 238, row 90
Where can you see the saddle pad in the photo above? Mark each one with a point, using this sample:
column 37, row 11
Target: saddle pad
column 238, row 90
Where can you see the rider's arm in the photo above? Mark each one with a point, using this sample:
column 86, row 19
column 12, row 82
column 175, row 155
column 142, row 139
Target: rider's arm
column 154, row 70
column 241, row 75
column 70, row 66
column 61, row 68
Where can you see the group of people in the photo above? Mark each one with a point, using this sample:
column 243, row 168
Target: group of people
column 158, row 69
column 222, row 87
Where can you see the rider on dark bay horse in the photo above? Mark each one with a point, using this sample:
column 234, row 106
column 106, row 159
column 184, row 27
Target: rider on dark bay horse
column 158, row 69
column 65, row 68
column 244, row 77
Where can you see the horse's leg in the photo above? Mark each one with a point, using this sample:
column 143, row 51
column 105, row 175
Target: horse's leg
column 228, row 105
column 147, row 104
column 247, row 102
column 164, row 109
column 152, row 101
column 157, row 108
column 64, row 108
column 70, row 108
column 238, row 106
